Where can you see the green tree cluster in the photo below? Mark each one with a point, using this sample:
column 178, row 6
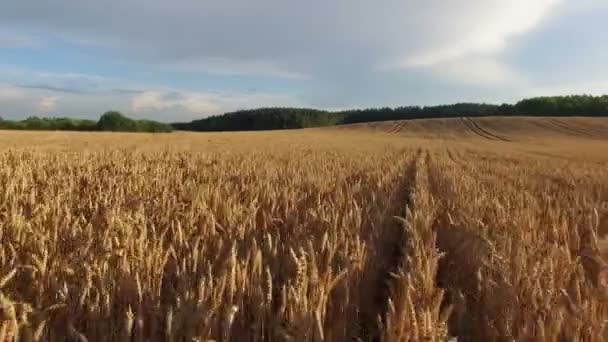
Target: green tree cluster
column 264, row 119
column 110, row 121
column 573, row 105
column 116, row 122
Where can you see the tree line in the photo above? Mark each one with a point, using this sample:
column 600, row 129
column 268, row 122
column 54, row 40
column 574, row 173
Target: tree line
column 290, row 118
column 264, row 119
column 112, row 121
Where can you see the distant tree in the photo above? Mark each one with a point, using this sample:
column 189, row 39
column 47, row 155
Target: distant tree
column 580, row 105
column 116, row 121
column 152, row 126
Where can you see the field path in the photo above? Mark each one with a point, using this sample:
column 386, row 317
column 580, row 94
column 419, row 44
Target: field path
column 464, row 250
column 389, row 242
column 408, row 269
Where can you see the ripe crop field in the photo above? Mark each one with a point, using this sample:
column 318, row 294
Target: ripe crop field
column 480, row 229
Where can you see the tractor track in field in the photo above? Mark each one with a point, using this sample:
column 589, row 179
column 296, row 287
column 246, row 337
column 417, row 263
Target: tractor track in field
column 437, row 183
column 597, row 131
column 397, row 127
column 583, row 131
column 474, row 129
column 485, row 131
column 465, row 251
column 393, row 128
column 419, row 179
column 566, row 128
column 402, row 125
column 390, row 260
column 456, row 159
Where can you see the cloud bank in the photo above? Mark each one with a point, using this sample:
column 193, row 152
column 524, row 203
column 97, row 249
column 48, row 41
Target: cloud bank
column 336, row 53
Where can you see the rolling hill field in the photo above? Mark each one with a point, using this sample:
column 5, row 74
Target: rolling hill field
column 495, row 128
column 476, row 228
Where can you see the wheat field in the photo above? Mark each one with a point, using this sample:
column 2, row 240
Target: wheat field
column 475, row 229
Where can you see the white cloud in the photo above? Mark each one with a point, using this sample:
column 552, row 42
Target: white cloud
column 156, row 100
column 10, row 92
column 203, row 103
column 327, row 52
column 477, row 71
column 48, row 104
column 492, row 23
column 88, row 95
column 225, row 66
column 584, row 87
column 13, row 40
column 583, row 6
column 69, row 82
column 277, row 38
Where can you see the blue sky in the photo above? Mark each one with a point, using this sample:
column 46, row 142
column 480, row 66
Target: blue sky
column 186, row 59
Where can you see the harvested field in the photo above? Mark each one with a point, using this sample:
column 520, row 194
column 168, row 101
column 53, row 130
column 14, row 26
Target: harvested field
column 477, row 228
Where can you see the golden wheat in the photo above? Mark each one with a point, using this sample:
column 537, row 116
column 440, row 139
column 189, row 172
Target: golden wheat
column 313, row 235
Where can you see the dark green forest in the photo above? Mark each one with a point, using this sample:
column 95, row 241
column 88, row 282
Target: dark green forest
column 290, row 118
column 264, row 119
column 110, row 122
